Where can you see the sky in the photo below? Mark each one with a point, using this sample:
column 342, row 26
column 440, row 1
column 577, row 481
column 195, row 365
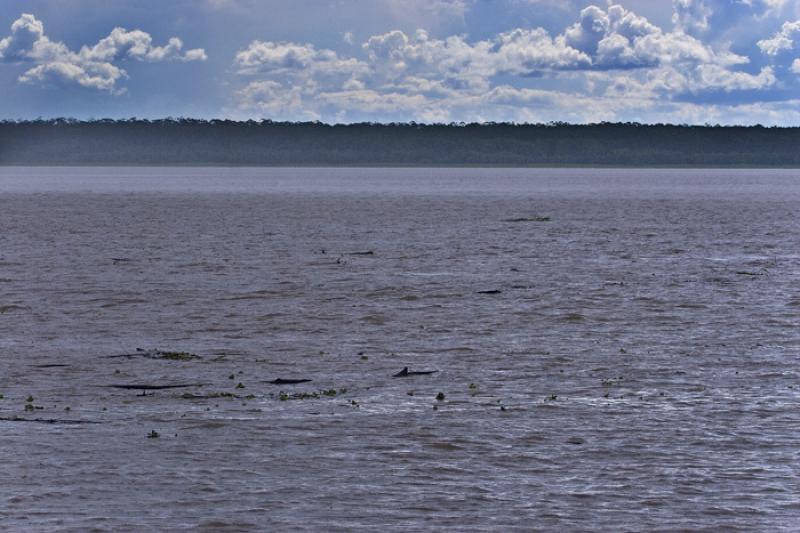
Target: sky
column 650, row 61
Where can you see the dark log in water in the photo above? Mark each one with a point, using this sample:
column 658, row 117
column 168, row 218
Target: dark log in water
column 406, row 372
column 281, row 381
column 47, row 420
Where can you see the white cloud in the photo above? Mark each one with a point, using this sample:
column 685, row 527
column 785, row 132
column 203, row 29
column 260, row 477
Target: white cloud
column 282, row 58
column 613, row 59
column 783, row 40
column 691, row 16
column 91, row 67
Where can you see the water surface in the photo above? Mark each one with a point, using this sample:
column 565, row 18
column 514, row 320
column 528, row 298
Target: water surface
column 629, row 364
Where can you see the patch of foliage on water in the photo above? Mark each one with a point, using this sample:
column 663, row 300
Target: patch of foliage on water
column 315, row 395
column 176, row 356
column 211, row 395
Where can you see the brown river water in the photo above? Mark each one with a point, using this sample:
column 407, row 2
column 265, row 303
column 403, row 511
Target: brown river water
column 618, row 350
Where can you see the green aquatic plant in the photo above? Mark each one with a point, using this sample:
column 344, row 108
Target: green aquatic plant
column 472, row 386
column 240, row 385
column 176, row 356
column 29, row 399
column 153, row 434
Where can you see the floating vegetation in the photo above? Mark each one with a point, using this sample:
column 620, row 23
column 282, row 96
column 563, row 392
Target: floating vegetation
column 212, row 395
column 316, row 395
column 440, row 397
column 528, row 219
column 240, row 385
column 156, row 353
column 472, row 386
column 142, row 386
column 153, row 434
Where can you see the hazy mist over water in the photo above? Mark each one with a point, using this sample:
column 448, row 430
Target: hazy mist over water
column 617, row 349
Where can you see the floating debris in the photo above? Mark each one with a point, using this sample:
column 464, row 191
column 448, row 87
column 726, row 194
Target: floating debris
column 50, row 365
column 528, row 219
column 368, row 252
column 159, row 354
column 283, row 381
column 330, row 393
column 210, row 396
column 406, row 372
column 490, row 291
column 145, row 387
column 141, row 386
column 153, row 434
column 47, row 420
column 440, row 397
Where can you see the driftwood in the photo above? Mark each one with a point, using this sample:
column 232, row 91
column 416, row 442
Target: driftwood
column 406, row 372
column 281, row 381
column 47, row 420
column 145, row 387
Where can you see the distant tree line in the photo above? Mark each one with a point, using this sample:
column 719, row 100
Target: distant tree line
column 181, row 141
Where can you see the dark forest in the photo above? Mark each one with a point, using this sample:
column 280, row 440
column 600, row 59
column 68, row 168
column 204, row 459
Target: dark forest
column 268, row 143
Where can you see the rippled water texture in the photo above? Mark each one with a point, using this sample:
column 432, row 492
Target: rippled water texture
column 638, row 368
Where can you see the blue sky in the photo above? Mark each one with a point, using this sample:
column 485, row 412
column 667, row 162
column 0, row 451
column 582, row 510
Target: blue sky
column 679, row 61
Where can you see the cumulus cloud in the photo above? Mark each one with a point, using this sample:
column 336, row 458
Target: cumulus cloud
column 620, row 57
column 782, row 40
column 91, row 66
column 691, row 16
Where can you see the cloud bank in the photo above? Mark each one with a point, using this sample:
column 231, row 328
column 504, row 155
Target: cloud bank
column 614, row 59
column 52, row 62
